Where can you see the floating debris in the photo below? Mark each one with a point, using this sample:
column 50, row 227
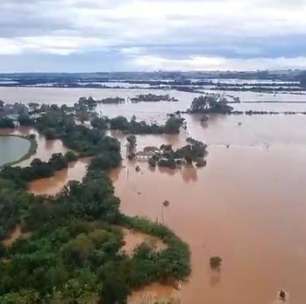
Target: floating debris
column 166, row 203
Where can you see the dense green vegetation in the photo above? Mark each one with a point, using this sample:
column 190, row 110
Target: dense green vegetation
column 73, row 252
column 210, row 103
column 171, row 126
column 6, row 123
column 166, row 156
column 153, row 98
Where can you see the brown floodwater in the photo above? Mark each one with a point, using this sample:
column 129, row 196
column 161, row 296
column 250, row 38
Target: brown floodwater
column 55, row 184
column 45, row 148
column 247, row 206
column 133, row 239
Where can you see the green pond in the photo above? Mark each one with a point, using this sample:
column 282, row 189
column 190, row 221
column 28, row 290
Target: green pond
column 12, row 148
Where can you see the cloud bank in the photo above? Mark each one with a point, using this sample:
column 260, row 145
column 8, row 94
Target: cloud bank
column 91, row 35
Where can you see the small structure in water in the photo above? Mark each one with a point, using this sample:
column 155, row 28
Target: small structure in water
column 283, row 295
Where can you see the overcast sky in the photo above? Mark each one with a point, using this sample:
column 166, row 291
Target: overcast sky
column 125, row 35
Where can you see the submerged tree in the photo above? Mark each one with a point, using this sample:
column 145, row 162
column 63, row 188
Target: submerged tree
column 215, row 262
column 210, row 103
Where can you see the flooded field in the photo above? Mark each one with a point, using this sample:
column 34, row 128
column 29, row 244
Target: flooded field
column 154, row 111
column 247, row 206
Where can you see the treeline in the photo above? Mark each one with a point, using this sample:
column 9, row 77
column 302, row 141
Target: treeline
column 37, row 169
column 67, row 123
column 153, row 98
column 73, row 249
column 171, row 126
column 6, row 123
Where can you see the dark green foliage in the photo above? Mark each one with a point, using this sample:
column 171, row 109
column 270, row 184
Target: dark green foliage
column 153, row 98
column 25, row 120
column 74, row 251
column 119, row 123
column 210, row 103
column 99, row 123
column 172, row 125
column 13, row 204
column 6, row 123
column 167, row 162
column 70, row 156
column 194, row 151
column 73, row 254
column 112, row 100
column 58, row 161
column 106, row 161
column 37, row 169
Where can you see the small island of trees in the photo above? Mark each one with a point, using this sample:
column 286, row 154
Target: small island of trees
column 153, row 98
column 210, row 104
column 194, row 152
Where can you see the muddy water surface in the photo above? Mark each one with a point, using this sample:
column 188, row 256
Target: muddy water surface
column 247, row 206
column 55, row 184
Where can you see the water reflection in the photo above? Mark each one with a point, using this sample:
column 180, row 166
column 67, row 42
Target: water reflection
column 189, row 174
column 215, row 278
column 247, row 206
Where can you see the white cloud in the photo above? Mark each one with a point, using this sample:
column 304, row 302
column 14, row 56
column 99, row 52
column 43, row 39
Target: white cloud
column 217, row 63
column 59, row 45
column 202, row 33
column 8, row 46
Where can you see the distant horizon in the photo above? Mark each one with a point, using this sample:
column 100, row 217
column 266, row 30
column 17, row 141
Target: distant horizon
column 160, row 71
